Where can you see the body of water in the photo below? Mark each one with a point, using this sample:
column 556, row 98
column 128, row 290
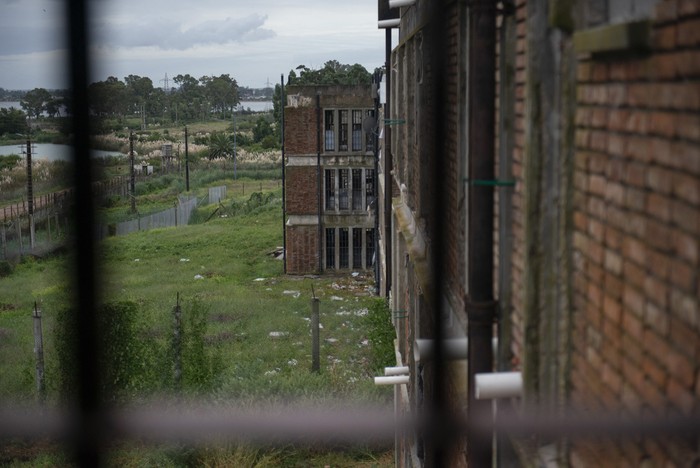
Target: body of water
column 8, row 104
column 255, row 106
column 51, row 152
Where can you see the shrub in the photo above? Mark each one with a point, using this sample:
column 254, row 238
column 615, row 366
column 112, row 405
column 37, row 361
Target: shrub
column 381, row 335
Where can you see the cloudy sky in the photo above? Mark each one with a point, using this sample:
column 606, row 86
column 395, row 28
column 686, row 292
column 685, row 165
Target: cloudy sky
column 251, row 40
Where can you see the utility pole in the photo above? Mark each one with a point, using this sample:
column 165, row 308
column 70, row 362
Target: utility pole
column 233, row 113
column 30, row 194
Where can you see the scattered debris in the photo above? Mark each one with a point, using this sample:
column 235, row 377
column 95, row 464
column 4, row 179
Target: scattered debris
column 259, row 279
column 336, row 298
column 184, row 259
column 198, row 277
column 277, row 334
column 292, row 362
column 137, row 259
column 354, row 274
column 278, row 253
column 331, row 340
column 294, row 294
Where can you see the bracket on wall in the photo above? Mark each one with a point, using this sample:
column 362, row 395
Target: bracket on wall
column 394, row 121
column 490, row 183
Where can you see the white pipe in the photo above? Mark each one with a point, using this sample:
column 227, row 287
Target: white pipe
column 401, row 370
column 453, row 349
column 498, row 385
column 400, row 3
column 391, row 380
column 390, row 23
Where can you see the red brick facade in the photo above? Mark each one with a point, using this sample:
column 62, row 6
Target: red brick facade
column 597, row 243
column 306, row 165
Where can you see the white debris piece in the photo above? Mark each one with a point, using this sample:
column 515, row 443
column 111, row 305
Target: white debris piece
column 198, row 277
column 259, row 279
column 277, row 334
column 336, row 298
column 294, row 294
column 184, row 259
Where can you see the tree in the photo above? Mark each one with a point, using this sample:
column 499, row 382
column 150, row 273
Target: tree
column 333, row 72
column 261, row 129
column 34, row 101
column 222, row 92
column 220, row 146
column 107, row 98
column 13, row 121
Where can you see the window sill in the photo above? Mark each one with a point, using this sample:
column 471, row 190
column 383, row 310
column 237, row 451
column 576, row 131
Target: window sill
column 623, row 37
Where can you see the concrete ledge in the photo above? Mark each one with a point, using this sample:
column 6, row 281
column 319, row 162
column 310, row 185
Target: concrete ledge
column 302, row 220
column 624, row 37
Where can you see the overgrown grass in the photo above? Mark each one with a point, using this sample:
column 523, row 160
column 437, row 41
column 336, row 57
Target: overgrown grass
column 233, row 296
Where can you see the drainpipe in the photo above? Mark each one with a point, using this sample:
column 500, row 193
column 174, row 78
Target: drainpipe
column 319, row 180
column 480, row 303
column 284, row 204
column 375, row 191
column 387, row 167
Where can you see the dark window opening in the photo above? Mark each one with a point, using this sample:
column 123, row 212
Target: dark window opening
column 343, row 186
column 330, row 131
column 357, row 189
column 343, row 249
column 330, row 248
column 343, row 137
column 357, row 248
column 330, row 190
column 369, row 186
column 369, row 136
column 369, row 247
column 357, row 130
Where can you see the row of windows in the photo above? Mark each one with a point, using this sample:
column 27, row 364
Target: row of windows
column 343, row 130
column 349, row 248
column 348, row 189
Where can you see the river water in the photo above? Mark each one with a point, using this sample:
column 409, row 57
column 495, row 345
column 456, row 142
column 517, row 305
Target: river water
column 51, row 152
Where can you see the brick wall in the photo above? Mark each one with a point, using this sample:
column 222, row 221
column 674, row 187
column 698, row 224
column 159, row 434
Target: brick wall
column 301, row 190
column 302, row 245
column 636, row 232
column 300, row 130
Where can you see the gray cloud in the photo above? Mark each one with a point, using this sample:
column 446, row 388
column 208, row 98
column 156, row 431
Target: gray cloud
column 168, row 35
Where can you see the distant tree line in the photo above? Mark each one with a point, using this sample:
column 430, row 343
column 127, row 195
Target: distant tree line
column 192, row 99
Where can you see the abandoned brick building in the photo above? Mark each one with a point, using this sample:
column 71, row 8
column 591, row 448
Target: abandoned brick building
column 540, row 189
column 329, row 178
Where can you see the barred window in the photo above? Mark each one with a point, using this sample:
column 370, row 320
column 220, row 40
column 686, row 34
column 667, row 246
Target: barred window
column 330, row 248
column 343, row 190
column 357, row 248
column 357, row 189
column 329, row 133
column 344, row 248
column 369, row 247
column 343, row 137
column 357, row 130
column 330, row 189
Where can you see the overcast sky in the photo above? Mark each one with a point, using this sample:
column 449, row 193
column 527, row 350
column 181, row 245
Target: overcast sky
column 251, row 40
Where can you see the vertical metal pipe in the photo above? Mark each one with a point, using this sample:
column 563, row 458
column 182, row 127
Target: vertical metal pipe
column 375, row 191
column 284, row 187
column 442, row 435
column 88, row 431
column 481, row 307
column 387, row 167
column 318, row 181
column 315, row 336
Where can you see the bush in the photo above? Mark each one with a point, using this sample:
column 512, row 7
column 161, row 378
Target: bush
column 5, row 268
column 381, row 335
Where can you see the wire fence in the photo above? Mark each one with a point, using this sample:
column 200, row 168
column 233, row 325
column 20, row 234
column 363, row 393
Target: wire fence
column 39, row 233
column 176, row 216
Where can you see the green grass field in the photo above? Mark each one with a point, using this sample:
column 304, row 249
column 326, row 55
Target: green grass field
column 223, row 269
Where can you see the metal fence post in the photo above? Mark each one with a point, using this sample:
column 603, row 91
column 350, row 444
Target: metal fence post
column 315, row 345
column 39, row 354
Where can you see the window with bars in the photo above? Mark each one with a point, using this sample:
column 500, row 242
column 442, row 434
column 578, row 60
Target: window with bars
column 330, row 248
column 330, row 189
column 348, row 189
column 357, row 248
column 357, row 130
column 357, row 189
column 349, row 133
column 369, row 187
column 329, row 134
column 343, row 248
column 349, row 247
column 369, row 247
column 343, row 130
column 343, row 190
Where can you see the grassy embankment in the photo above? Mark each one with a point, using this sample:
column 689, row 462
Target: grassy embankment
column 223, row 268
